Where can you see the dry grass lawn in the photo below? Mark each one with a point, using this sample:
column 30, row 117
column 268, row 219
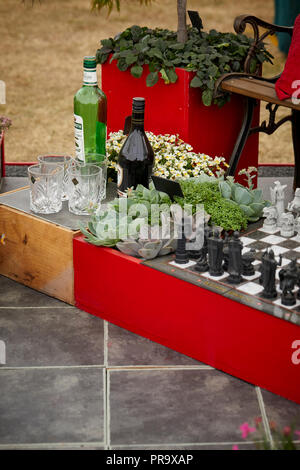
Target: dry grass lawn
column 41, row 51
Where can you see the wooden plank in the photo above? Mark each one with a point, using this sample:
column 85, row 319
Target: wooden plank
column 260, row 90
column 13, row 191
column 37, row 253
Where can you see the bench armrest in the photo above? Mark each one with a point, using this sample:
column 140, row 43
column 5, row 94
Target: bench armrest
column 242, row 21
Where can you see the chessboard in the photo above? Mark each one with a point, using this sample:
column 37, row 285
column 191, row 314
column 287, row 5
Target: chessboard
column 249, row 290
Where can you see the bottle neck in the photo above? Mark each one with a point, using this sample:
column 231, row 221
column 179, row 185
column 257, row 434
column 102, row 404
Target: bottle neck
column 90, row 77
column 137, row 119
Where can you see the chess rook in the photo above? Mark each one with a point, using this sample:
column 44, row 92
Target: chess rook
column 215, row 254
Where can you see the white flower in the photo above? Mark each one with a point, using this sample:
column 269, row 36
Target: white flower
column 174, row 158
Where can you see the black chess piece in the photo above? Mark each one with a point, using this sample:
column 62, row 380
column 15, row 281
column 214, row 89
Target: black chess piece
column 289, row 277
column 225, row 252
column 281, row 278
column 247, row 261
column 181, row 255
column 235, row 264
column 194, row 254
column 269, row 266
column 298, row 282
column 215, row 254
column 261, row 279
column 202, row 264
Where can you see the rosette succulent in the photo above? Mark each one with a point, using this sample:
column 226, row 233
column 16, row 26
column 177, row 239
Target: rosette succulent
column 249, row 200
column 124, row 218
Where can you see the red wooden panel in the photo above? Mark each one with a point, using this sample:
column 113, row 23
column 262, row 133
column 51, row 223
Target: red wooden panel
column 178, row 109
column 227, row 335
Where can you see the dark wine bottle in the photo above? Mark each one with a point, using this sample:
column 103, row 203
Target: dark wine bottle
column 136, row 157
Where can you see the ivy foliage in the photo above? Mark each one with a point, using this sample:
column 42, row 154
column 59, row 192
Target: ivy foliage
column 209, row 56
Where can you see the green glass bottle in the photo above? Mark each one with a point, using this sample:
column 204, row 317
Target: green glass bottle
column 90, row 116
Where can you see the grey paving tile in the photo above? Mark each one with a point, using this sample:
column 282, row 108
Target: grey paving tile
column 211, row 447
column 127, row 349
column 13, row 294
column 281, row 411
column 51, row 406
column 63, row 446
column 51, row 337
column 178, row 406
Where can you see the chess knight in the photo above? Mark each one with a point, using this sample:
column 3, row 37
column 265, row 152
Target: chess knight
column 270, row 224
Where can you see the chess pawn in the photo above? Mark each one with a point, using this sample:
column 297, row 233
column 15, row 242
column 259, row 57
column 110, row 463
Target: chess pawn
column 247, row 260
column 298, row 283
column 289, row 278
column 202, row 264
column 287, row 225
column 194, row 254
column 297, row 226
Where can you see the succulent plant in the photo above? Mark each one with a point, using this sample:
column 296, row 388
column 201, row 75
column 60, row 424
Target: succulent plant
column 249, row 200
column 147, row 249
column 123, row 218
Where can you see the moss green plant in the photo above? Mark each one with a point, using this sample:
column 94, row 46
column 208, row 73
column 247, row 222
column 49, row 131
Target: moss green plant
column 223, row 212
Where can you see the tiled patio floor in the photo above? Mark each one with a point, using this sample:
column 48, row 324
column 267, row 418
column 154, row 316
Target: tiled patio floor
column 74, row 381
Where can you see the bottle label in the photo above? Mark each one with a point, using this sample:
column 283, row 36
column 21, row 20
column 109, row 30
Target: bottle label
column 90, row 77
column 120, row 175
column 79, row 138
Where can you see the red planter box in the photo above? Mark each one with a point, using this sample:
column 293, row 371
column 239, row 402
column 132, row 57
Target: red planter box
column 178, row 109
column 230, row 336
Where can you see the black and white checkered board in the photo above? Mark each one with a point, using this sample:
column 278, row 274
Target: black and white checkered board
column 260, row 240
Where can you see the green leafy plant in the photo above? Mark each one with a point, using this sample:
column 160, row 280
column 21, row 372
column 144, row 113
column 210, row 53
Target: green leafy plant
column 249, row 200
column 208, row 56
column 281, row 439
column 223, row 212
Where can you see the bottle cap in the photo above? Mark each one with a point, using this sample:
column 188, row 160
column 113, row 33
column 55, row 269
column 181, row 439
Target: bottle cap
column 138, row 104
column 89, row 62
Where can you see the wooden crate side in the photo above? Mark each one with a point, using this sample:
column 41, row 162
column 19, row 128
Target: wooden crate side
column 13, row 191
column 37, row 253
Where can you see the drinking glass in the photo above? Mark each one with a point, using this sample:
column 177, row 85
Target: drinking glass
column 103, row 166
column 65, row 161
column 101, row 161
column 45, row 188
column 84, row 188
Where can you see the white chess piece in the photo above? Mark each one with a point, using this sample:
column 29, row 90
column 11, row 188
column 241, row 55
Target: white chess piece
column 294, row 205
column 288, row 225
column 270, row 223
column 297, row 227
column 277, row 198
